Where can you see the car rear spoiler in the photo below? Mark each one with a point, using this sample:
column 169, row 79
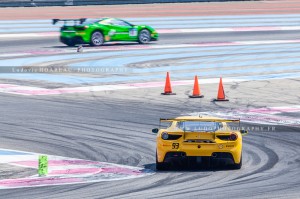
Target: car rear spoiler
column 198, row 119
column 81, row 20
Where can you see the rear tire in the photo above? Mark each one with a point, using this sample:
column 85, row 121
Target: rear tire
column 97, row 39
column 160, row 166
column 238, row 165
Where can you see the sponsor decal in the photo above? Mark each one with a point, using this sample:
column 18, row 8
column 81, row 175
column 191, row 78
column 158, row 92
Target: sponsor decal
column 133, row 32
column 112, row 32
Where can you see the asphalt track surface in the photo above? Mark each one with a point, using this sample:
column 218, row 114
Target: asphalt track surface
column 15, row 44
column 115, row 127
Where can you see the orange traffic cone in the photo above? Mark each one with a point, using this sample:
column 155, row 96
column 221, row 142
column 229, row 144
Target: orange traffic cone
column 168, row 88
column 221, row 93
column 196, row 91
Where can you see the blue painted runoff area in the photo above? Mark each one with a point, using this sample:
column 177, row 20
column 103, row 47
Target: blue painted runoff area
column 8, row 152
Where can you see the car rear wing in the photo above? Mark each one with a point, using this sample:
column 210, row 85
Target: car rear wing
column 80, row 21
column 198, row 119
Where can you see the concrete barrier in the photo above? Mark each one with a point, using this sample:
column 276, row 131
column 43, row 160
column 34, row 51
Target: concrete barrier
column 37, row 3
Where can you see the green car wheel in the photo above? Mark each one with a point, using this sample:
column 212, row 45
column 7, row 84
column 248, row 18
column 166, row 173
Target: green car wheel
column 97, row 39
column 144, row 36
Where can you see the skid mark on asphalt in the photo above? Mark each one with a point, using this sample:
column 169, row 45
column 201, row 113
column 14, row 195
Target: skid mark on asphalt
column 63, row 170
column 266, row 116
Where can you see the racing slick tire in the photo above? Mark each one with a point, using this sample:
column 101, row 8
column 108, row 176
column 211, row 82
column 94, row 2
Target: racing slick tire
column 144, row 36
column 238, row 165
column 160, row 166
column 97, row 38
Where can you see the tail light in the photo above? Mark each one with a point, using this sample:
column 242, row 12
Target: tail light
column 81, row 27
column 233, row 136
column 164, row 135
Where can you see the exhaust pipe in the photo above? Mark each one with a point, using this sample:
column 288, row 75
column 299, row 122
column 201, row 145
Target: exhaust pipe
column 214, row 155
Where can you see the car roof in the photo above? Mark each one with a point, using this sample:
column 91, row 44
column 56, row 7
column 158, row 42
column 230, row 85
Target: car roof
column 111, row 18
column 195, row 117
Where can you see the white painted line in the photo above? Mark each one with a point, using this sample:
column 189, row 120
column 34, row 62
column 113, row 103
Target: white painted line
column 20, row 90
column 267, row 42
column 22, row 35
column 14, row 55
column 11, row 158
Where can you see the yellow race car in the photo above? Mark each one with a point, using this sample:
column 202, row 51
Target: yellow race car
column 198, row 138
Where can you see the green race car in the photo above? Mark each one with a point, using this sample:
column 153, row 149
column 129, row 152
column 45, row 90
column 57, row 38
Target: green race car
column 97, row 31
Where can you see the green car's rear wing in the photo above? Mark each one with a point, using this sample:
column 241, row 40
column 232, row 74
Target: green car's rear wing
column 80, row 21
column 198, row 119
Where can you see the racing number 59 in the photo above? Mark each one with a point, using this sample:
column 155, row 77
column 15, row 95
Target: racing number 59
column 175, row 145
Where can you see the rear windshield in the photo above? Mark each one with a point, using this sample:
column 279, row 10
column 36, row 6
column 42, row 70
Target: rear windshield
column 198, row 126
column 91, row 21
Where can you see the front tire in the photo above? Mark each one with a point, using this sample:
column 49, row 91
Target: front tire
column 144, row 36
column 97, row 39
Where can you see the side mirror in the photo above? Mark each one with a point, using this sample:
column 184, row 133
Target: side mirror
column 244, row 132
column 155, row 130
